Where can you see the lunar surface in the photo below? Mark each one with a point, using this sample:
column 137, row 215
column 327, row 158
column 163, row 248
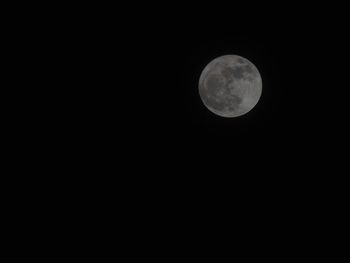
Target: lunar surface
column 230, row 86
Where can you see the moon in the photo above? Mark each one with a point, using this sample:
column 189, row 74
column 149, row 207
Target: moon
column 230, row 86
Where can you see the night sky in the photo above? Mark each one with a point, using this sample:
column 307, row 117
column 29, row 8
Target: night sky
column 145, row 101
column 124, row 130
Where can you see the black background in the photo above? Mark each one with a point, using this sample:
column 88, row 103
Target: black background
column 133, row 103
column 119, row 130
column 153, row 138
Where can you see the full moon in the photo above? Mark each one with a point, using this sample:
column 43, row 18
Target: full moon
column 230, row 86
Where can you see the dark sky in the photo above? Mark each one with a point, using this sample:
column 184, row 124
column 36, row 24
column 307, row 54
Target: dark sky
column 132, row 146
column 157, row 63
column 139, row 106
